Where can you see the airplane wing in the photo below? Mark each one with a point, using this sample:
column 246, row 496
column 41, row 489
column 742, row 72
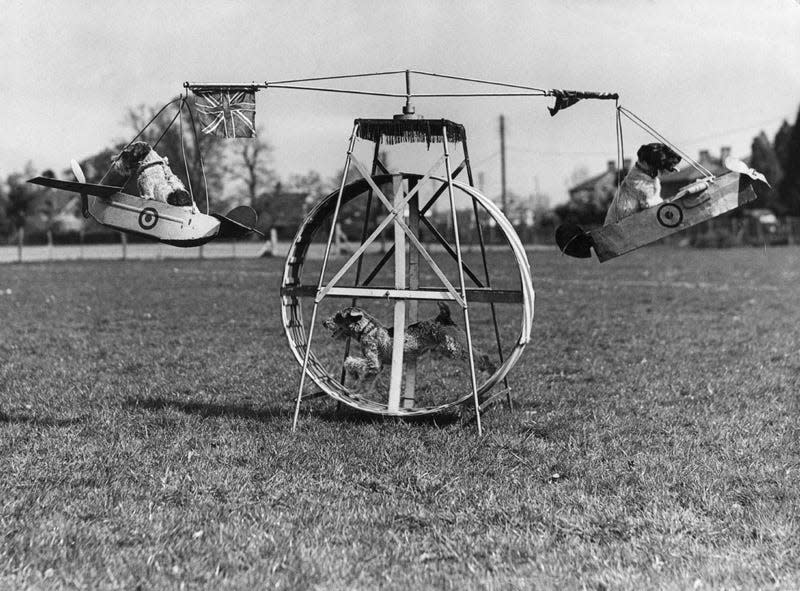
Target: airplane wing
column 82, row 188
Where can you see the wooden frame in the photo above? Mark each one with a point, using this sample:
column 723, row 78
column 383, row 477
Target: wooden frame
column 405, row 291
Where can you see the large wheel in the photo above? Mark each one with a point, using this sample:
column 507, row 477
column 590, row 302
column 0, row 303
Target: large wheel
column 500, row 296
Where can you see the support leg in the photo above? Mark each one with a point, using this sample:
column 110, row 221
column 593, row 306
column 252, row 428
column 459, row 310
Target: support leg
column 325, row 258
column 462, row 285
column 409, row 391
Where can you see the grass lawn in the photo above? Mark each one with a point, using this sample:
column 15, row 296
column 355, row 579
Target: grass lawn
column 655, row 443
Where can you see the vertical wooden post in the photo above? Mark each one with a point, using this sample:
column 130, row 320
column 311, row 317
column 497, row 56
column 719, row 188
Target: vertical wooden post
column 396, row 379
column 20, row 240
column 409, row 389
column 124, row 239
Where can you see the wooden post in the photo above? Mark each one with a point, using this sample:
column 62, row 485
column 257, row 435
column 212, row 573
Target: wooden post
column 124, row 240
column 409, row 393
column 399, row 306
column 20, row 240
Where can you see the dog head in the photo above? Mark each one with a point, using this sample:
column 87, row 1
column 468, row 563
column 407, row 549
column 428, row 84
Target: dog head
column 127, row 161
column 658, row 158
column 348, row 322
column 444, row 317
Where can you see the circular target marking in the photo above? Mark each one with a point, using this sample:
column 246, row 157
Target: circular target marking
column 669, row 215
column 148, row 218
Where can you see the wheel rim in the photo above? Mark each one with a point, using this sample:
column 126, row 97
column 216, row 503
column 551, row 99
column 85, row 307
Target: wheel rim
column 293, row 292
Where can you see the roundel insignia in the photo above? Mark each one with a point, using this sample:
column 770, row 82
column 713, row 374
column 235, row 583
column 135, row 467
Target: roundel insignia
column 669, row 215
column 148, row 218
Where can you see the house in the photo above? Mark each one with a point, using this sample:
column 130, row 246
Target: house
column 589, row 199
column 600, row 187
column 281, row 209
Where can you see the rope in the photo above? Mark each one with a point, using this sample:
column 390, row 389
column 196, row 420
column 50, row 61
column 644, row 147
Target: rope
column 139, row 135
column 477, row 80
column 646, row 127
column 339, row 90
column 199, row 153
column 183, row 153
column 335, row 77
column 620, row 147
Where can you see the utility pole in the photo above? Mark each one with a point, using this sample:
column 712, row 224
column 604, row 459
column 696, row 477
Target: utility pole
column 503, row 204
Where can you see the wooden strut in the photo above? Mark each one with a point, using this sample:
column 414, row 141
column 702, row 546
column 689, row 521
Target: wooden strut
column 394, row 213
column 322, row 274
column 482, row 243
column 364, row 228
column 409, row 397
column 470, row 351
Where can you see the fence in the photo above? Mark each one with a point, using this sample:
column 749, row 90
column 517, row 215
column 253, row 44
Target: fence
column 722, row 232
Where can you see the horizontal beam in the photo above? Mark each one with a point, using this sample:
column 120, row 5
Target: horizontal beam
column 481, row 295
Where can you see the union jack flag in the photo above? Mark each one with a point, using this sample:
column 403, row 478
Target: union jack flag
column 227, row 112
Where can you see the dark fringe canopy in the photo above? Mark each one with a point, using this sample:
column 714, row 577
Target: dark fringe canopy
column 396, row 131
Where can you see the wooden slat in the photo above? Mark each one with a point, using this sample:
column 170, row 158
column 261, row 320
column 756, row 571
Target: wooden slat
column 409, row 389
column 481, row 295
column 396, row 378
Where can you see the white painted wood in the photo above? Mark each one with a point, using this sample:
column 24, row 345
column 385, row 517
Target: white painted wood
column 409, row 389
column 396, row 379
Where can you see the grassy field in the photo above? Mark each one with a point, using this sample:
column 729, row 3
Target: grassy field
column 655, row 443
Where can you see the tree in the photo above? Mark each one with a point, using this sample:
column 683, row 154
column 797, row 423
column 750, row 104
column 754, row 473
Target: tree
column 766, row 161
column 252, row 164
column 313, row 185
column 781, row 143
column 21, row 203
column 789, row 189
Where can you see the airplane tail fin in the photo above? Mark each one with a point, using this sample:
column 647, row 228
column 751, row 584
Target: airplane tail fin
column 238, row 222
column 574, row 241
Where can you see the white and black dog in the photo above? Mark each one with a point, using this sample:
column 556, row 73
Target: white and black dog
column 641, row 188
column 155, row 179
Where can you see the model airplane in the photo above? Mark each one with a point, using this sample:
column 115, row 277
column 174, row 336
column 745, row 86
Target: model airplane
column 700, row 201
column 170, row 224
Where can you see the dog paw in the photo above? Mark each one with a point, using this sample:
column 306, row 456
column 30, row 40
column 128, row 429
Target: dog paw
column 180, row 198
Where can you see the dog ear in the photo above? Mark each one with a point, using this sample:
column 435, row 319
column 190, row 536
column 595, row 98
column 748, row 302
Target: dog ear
column 139, row 150
column 355, row 313
column 444, row 314
column 648, row 153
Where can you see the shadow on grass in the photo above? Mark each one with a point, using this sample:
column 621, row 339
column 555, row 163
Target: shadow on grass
column 332, row 412
column 209, row 410
column 338, row 412
column 40, row 421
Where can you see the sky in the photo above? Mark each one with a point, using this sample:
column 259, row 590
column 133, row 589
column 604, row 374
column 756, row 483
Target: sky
column 705, row 74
